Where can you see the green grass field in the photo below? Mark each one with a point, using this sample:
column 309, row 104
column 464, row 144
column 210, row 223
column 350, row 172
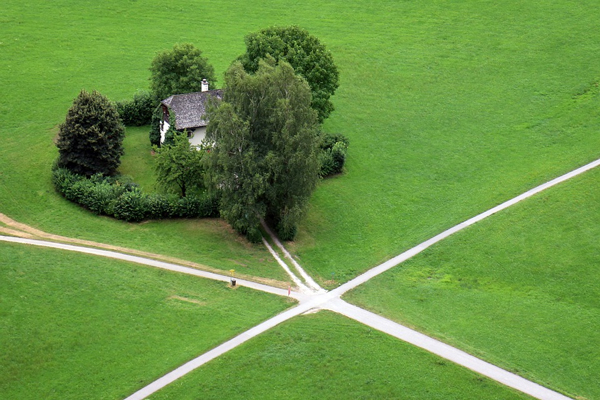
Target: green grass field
column 520, row 289
column 74, row 326
column 326, row 356
column 451, row 108
column 138, row 161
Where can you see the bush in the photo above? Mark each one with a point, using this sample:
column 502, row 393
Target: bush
column 333, row 153
column 196, row 207
column 327, row 167
column 63, row 179
column 101, row 199
column 121, row 198
column 328, row 140
column 338, row 154
column 102, row 193
column 159, row 206
column 286, row 229
column 138, row 111
column 209, row 206
column 78, row 191
column 130, row 206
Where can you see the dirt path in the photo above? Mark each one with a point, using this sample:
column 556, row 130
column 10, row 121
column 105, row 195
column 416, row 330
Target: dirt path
column 156, row 264
column 333, row 302
column 17, row 229
column 318, row 299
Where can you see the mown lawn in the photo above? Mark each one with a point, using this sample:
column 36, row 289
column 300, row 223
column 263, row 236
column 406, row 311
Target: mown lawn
column 74, row 326
column 451, row 108
column 520, row 289
column 327, row 356
column 138, row 160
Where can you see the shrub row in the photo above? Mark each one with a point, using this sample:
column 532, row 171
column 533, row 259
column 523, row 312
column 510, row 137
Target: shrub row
column 138, row 111
column 120, row 198
column 333, row 153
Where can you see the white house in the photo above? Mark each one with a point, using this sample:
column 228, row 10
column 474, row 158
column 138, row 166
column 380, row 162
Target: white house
column 189, row 110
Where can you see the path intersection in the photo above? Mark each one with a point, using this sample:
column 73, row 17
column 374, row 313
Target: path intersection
column 312, row 297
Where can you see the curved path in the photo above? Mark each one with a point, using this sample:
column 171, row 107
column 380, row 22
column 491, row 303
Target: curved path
column 155, row 263
column 319, row 299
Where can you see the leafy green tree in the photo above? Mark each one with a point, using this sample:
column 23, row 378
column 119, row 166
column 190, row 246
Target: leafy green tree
column 179, row 166
column 90, row 140
column 304, row 52
column 264, row 161
column 178, row 71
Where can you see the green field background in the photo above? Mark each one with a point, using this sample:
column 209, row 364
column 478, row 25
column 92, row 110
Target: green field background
column 450, row 107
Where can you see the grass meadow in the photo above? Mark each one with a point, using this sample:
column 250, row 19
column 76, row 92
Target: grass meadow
column 137, row 161
column 450, row 108
column 520, row 289
column 74, row 326
column 327, row 356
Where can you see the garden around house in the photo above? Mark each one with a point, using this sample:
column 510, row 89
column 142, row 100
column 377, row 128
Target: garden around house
column 450, row 110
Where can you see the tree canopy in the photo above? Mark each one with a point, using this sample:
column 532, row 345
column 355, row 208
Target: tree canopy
column 178, row 71
column 304, row 52
column 264, row 160
column 179, row 166
column 90, row 140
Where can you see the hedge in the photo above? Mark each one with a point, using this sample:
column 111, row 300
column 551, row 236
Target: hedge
column 138, row 111
column 120, row 198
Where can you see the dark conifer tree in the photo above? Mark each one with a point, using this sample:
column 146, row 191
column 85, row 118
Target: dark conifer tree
column 90, row 140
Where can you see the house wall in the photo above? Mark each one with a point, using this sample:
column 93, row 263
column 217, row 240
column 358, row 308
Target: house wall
column 163, row 130
column 198, row 136
column 195, row 137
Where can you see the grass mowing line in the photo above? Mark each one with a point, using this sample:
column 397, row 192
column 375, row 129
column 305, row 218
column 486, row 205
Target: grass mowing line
column 333, row 303
column 320, row 301
column 25, row 231
column 373, row 272
column 155, row 263
column 458, row 80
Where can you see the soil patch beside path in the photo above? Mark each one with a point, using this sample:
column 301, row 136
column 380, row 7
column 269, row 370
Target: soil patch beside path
column 17, row 229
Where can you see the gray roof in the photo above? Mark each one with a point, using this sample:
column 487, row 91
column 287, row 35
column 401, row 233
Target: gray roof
column 190, row 108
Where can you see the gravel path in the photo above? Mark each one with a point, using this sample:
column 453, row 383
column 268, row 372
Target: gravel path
column 317, row 298
column 156, row 264
column 443, row 350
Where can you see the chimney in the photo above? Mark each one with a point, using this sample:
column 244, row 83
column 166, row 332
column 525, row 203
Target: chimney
column 204, row 85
